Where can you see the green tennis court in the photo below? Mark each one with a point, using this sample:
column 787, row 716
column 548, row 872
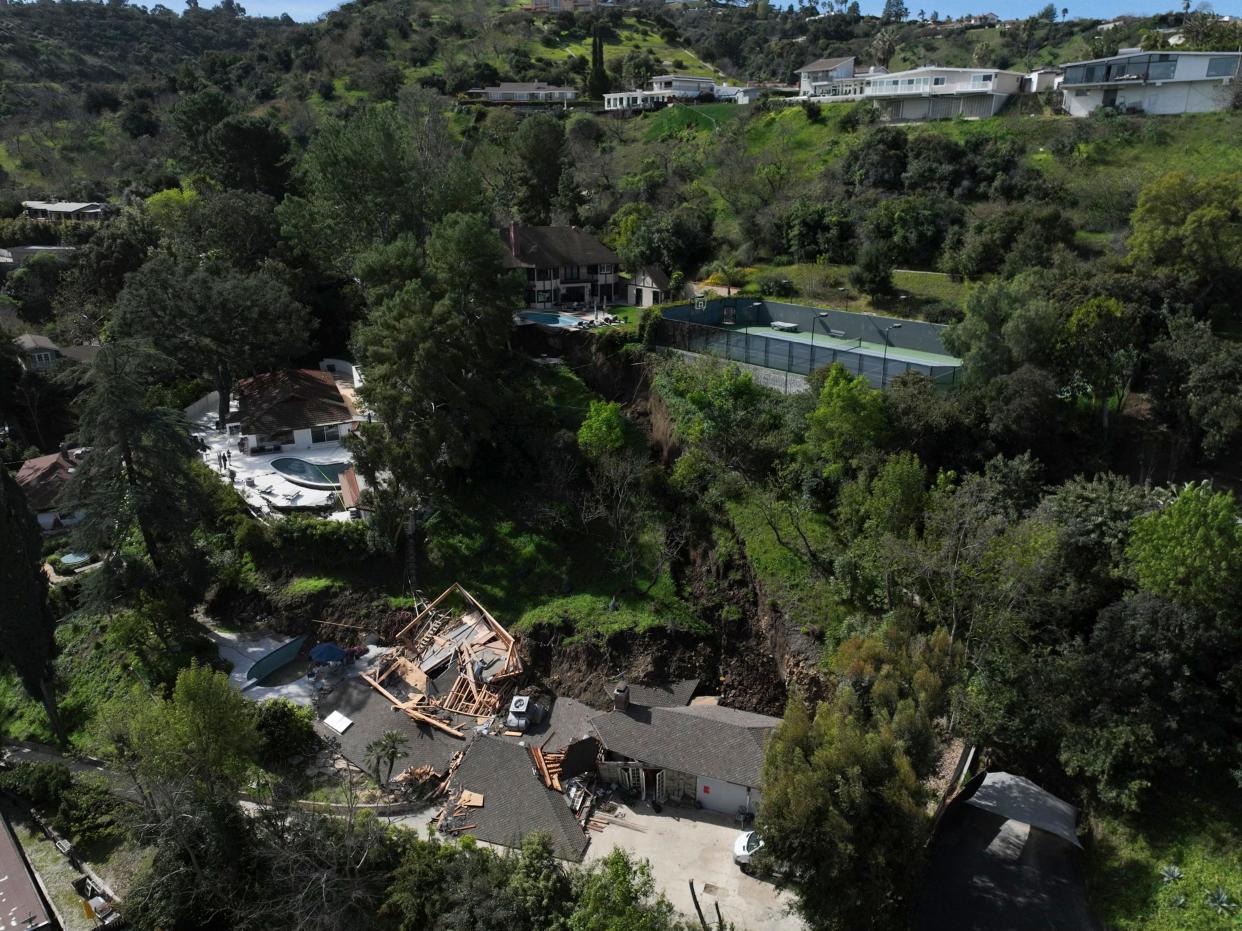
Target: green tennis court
column 862, row 348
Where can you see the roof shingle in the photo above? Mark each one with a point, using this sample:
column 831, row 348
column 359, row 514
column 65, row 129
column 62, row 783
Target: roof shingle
column 515, row 802
column 555, row 247
column 292, row 399
column 703, row 740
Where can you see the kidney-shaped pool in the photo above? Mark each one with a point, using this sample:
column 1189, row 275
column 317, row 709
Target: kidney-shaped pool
column 323, row 475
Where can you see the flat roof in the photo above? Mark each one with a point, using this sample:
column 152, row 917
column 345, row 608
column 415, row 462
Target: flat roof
column 1140, row 53
column 21, row 903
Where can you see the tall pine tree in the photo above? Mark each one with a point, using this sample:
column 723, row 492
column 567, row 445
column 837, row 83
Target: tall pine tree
column 598, row 83
column 27, row 628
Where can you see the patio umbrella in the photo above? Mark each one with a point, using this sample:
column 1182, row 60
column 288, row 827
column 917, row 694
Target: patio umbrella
column 327, row 653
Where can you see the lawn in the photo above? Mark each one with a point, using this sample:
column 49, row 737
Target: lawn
column 1196, row 830
column 828, row 285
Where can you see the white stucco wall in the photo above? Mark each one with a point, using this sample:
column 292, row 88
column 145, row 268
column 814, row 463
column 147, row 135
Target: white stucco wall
column 1176, row 97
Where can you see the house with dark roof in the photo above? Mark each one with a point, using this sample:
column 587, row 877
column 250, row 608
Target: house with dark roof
column 293, row 409
column 39, row 353
column 42, row 479
column 649, row 286
column 563, row 265
column 515, row 802
column 702, row 753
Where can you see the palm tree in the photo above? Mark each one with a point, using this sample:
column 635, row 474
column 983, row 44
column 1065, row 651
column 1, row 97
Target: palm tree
column 383, row 752
column 884, row 46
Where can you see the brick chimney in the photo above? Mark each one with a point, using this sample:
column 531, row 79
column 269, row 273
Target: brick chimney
column 621, row 697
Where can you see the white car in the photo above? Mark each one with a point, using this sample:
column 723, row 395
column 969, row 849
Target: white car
column 748, row 844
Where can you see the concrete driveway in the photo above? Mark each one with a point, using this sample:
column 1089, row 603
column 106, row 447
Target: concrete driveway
column 684, row 844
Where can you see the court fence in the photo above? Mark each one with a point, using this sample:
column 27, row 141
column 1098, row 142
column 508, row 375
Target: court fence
column 713, row 330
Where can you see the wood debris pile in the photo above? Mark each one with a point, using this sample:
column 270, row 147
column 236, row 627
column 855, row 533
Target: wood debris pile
column 452, row 659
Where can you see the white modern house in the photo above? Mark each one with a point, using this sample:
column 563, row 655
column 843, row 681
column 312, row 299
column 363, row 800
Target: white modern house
column 1151, row 82
column 925, row 93
column 823, row 72
column 60, row 211
column 664, row 89
column 523, row 92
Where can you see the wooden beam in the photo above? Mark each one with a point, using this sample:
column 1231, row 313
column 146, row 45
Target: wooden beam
column 434, row 722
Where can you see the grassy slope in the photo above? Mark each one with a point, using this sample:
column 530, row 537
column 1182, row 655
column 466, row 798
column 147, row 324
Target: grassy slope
column 1198, row 831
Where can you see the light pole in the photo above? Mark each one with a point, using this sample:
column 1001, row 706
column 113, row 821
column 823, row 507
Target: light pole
column 822, row 315
column 884, row 370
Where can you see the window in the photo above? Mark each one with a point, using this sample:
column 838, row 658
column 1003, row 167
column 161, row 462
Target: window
column 605, row 269
column 42, row 360
column 1161, row 70
column 543, row 297
column 938, row 82
column 1222, row 67
column 328, row 434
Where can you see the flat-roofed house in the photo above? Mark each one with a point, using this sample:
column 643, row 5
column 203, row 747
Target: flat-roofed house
column 60, row 211
column 1151, row 82
column 524, row 92
column 563, row 265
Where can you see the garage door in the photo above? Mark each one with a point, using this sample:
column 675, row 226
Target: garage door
column 717, row 795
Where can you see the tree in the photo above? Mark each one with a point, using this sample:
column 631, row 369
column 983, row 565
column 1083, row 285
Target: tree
column 841, row 815
column 138, row 474
column 536, row 148
column 1190, row 550
column 27, row 628
column 34, row 284
column 1189, row 226
column 894, row 12
column 847, row 421
column 873, row 270
column 885, row 42
column 249, row 153
column 603, row 431
column 1153, row 696
column 211, row 319
column 597, row 83
column 1100, row 338
column 383, row 752
column 618, row 894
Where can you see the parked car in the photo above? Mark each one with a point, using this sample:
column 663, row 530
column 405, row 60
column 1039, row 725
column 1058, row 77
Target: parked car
column 748, row 844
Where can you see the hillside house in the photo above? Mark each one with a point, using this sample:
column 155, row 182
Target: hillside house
column 43, row 478
column 39, row 353
column 649, row 285
column 15, row 257
column 562, row 6
column 821, row 72
column 563, row 265
column 293, row 409
column 62, row 211
column 1151, row 82
column 665, row 89
column 515, row 92
column 702, row 753
column 925, row 93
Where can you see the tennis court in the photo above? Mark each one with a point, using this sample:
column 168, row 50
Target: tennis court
column 878, row 348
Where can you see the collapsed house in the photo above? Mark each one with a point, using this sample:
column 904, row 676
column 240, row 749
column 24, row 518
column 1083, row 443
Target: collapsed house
column 453, row 666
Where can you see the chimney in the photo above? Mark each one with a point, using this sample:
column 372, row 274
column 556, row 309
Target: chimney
column 513, row 237
column 621, row 697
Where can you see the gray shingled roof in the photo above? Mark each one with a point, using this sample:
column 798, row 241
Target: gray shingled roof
column 704, row 740
column 824, row 64
column 515, row 801
column 372, row 715
column 555, row 247
column 671, row 695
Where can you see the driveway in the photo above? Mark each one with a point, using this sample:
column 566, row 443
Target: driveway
column 684, row 844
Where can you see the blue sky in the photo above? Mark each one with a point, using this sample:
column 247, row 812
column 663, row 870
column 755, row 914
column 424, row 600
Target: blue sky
column 306, row 10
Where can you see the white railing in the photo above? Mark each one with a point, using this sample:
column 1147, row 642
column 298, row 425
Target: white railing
column 855, row 89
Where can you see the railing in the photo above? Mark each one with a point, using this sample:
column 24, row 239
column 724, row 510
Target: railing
column 855, row 90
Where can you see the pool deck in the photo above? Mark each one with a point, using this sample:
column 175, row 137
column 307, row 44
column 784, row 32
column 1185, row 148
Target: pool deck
column 262, row 486
column 863, row 348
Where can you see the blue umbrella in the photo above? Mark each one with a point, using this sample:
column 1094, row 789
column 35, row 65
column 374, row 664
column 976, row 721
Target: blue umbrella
column 327, row 653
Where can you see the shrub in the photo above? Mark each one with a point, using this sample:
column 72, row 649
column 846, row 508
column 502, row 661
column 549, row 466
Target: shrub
column 776, row 286
column 286, row 731
column 814, row 112
column 40, row 784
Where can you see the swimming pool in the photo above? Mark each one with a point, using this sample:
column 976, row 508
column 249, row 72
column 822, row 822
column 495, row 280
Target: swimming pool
column 311, row 474
column 549, row 318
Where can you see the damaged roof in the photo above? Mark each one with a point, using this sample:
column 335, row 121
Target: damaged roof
column 372, row 714
column 703, row 740
column 515, row 802
column 555, row 247
column 292, row 399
